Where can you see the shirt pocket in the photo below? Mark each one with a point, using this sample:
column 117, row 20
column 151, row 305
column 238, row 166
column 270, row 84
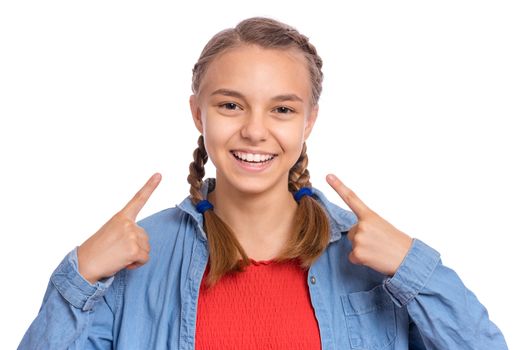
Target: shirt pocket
column 370, row 318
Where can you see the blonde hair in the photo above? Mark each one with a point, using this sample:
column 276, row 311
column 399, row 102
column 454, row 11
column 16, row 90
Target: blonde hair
column 311, row 235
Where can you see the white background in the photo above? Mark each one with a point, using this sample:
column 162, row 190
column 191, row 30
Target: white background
column 421, row 115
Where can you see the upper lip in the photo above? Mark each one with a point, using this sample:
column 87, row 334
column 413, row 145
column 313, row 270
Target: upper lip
column 253, row 151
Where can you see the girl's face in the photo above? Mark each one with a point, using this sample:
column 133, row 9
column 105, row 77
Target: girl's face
column 254, row 112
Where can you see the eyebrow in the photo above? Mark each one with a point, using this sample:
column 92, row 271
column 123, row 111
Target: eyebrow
column 233, row 93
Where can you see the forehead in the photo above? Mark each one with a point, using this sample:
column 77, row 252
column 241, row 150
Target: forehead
column 260, row 72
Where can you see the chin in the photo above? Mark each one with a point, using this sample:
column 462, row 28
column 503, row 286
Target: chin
column 252, row 185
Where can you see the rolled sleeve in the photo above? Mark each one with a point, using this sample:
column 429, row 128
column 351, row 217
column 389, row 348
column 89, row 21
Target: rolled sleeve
column 74, row 288
column 412, row 274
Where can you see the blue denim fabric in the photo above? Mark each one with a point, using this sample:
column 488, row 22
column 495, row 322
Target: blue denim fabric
column 423, row 306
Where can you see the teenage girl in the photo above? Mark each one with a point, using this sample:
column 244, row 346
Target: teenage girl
column 256, row 258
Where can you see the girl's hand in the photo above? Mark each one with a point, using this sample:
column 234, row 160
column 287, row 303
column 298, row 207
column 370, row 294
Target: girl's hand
column 376, row 243
column 120, row 242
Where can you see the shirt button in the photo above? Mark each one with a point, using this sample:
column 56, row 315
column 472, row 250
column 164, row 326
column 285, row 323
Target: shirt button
column 313, row 280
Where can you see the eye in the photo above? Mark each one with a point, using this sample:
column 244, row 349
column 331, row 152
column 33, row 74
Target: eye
column 284, row 110
column 229, row 106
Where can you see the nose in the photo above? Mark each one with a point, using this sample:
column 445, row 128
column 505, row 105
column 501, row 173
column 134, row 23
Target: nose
column 254, row 128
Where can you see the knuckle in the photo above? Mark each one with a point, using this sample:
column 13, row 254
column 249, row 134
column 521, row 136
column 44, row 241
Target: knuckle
column 349, row 194
column 143, row 236
column 119, row 217
column 372, row 214
column 357, row 256
column 353, row 259
column 128, row 224
column 363, row 226
column 141, row 195
column 358, row 239
column 121, row 213
column 133, row 249
column 142, row 257
column 131, row 237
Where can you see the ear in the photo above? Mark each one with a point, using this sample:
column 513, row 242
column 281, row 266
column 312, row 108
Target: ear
column 311, row 121
column 195, row 111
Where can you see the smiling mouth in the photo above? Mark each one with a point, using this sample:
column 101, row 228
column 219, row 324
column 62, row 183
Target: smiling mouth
column 253, row 158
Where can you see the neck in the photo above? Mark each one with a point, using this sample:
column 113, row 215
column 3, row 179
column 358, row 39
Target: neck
column 262, row 222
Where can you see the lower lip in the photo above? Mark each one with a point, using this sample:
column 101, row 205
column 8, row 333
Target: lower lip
column 253, row 167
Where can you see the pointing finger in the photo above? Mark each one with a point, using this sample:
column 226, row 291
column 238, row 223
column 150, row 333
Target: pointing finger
column 136, row 204
column 348, row 196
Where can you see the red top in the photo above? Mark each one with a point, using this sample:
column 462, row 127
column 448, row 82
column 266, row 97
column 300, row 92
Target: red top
column 265, row 307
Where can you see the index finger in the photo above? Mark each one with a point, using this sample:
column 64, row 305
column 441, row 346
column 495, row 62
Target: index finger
column 348, row 196
column 136, row 203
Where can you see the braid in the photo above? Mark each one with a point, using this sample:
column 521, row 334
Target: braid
column 309, row 48
column 311, row 235
column 299, row 175
column 224, row 248
column 197, row 171
column 315, row 61
column 316, row 74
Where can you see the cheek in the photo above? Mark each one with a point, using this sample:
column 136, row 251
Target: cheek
column 291, row 138
column 212, row 125
column 217, row 133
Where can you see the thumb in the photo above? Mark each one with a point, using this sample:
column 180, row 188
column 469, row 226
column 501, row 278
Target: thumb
column 348, row 196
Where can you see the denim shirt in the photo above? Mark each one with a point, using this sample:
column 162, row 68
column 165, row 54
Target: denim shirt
column 424, row 305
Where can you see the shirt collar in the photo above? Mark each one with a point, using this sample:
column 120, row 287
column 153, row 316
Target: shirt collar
column 340, row 220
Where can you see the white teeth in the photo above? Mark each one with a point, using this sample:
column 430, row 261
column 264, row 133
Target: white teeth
column 253, row 157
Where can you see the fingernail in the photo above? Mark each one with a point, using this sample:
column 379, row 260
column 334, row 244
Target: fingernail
column 331, row 177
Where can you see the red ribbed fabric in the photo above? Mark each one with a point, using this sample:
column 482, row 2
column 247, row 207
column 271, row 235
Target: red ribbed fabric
column 266, row 307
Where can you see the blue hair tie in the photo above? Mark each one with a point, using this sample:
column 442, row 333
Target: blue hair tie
column 304, row 191
column 203, row 205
